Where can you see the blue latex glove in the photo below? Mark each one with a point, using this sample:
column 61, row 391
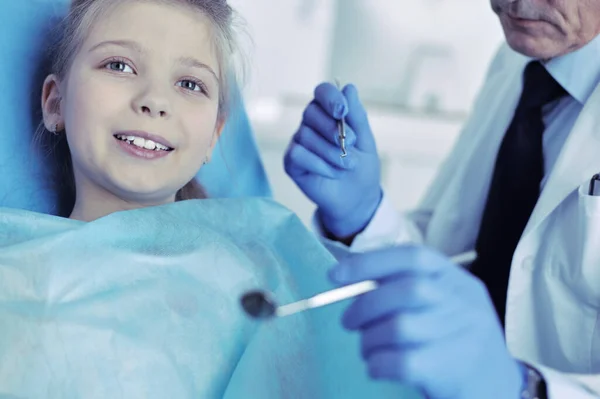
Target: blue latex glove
column 346, row 190
column 430, row 324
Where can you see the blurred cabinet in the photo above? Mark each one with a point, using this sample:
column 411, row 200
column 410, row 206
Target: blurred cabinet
column 428, row 55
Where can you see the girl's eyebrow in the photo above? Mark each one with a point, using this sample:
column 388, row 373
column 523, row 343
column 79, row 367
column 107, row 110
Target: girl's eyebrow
column 185, row 61
column 194, row 63
column 121, row 43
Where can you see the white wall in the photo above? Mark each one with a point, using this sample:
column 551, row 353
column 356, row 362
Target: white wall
column 292, row 42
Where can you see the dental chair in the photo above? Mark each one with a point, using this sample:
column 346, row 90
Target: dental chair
column 236, row 169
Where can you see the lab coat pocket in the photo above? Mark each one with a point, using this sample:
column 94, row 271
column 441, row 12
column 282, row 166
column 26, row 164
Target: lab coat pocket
column 584, row 249
column 573, row 254
column 589, row 204
column 589, row 270
column 566, row 284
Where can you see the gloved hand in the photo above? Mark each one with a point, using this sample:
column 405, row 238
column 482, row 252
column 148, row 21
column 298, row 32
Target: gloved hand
column 430, row 324
column 346, row 190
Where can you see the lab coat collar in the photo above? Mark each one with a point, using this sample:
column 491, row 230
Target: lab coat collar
column 578, row 72
column 578, row 161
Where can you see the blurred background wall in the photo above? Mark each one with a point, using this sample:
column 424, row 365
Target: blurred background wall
column 417, row 64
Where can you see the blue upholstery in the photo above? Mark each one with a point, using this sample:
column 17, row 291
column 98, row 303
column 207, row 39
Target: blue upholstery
column 236, row 169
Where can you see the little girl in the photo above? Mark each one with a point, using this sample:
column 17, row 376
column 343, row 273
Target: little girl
column 140, row 104
column 136, row 294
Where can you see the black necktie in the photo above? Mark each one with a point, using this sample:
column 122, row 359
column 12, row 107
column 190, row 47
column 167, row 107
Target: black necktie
column 515, row 185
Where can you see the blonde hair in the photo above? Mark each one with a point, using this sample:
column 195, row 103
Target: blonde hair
column 72, row 33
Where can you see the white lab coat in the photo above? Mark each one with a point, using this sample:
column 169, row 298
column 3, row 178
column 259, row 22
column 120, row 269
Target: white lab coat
column 553, row 305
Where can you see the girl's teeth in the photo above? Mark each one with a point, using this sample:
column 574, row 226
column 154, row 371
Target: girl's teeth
column 149, row 145
column 143, row 143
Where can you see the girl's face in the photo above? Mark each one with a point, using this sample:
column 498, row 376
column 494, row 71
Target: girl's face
column 140, row 103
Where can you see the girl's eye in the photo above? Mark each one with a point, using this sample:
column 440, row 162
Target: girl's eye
column 191, row 85
column 119, row 66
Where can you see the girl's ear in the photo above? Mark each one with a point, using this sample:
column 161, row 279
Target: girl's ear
column 51, row 104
